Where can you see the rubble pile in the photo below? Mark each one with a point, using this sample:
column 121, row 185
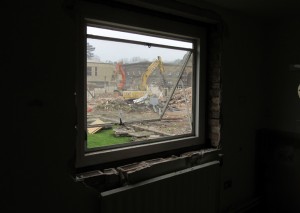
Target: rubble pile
column 112, row 103
column 109, row 102
column 180, row 97
column 175, row 120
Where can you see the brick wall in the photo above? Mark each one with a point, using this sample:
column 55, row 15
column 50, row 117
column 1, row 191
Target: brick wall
column 214, row 84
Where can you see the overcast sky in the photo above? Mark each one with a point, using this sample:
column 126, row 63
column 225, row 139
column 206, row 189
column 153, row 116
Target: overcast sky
column 116, row 51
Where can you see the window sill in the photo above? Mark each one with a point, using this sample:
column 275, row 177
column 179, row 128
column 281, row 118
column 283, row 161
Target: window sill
column 136, row 172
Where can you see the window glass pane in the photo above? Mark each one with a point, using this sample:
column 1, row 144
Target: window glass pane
column 136, row 37
column 139, row 93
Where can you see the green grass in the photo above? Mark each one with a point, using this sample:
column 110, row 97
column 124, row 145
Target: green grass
column 105, row 138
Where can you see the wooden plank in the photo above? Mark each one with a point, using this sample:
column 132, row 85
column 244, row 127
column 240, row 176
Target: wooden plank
column 97, row 121
column 93, row 130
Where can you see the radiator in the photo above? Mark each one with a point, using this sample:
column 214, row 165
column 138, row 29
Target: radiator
column 190, row 190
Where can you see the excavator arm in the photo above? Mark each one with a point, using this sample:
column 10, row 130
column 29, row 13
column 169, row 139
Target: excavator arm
column 119, row 69
column 157, row 63
column 143, row 86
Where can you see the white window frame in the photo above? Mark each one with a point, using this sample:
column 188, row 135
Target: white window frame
column 100, row 16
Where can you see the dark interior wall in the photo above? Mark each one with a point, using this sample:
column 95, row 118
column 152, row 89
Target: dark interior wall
column 280, row 146
column 241, row 109
column 42, row 45
column 281, row 99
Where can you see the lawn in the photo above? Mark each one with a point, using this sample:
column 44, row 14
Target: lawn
column 105, row 137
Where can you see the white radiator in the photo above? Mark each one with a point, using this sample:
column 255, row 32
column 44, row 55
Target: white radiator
column 195, row 189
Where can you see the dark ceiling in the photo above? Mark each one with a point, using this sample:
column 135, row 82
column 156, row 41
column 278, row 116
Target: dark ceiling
column 263, row 8
column 272, row 8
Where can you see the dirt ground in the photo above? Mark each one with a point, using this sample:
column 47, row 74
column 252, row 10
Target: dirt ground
column 143, row 117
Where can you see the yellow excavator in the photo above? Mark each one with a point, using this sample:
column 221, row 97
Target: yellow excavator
column 157, row 63
column 143, row 86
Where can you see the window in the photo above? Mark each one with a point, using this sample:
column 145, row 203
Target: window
column 156, row 110
column 89, row 71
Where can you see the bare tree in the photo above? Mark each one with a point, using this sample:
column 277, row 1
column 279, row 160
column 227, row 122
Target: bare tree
column 89, row 51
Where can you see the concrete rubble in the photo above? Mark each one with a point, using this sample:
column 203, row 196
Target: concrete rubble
column 108, row 102
column 114, row 108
